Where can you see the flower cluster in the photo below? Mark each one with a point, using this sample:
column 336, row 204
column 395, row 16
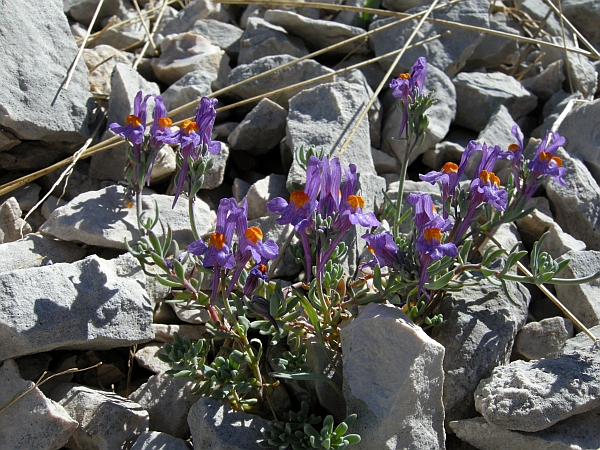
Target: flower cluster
column 408, row 87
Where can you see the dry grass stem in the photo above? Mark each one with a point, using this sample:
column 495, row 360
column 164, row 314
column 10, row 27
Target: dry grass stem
column 154, row 28
column 564, row 38
column 144, row 25
column 82, row 46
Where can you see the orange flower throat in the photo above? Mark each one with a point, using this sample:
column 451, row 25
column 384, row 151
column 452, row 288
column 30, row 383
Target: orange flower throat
column 450, row 167
column 300, row 198
column 489, row 177
column 189, row 125
column 217, row 240
column 356, row 201
column 133, row 120
column 544, row 156
column 513, row 147
column 254, row 234
column 165, row 122
column 433, row 233
column 404, row 76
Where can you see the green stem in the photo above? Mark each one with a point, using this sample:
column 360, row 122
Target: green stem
column 139, row 212
column 191, row 200
column 399, row 199
column 562, row 281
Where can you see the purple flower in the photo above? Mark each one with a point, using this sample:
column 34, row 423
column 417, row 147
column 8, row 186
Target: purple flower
column 516, row 149
column 424, row 209
column 486, row 189
column 161, row 132
column 409, row 86
column 135, row 124
column 351, row 205
column 258, row 272
column 384, row 249
column 545, row 163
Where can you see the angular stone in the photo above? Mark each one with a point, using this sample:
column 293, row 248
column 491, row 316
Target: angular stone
column 478, row 95
column 441, row 114
column 82, row 220
column 532, row 396
column 584, row 15
column 106, row 420
column 262, row 38
column 153, row 440
column 223, row 35
column 83, row 11
column 449, row 53
column 400, row 411
column 125, row 36
column 164, row 333
column 33, row 421
column 190, row 87
column 262, row 191
column 27, row 196
column 35, row 250
column 471, row 354
column 543, row 339
column 261, row 130
column 101, row 71
column 576, row 205
column 318, row 34
column 577, row 432
column 188, row 16
column 581, row 342
column 443, row 152
column 168, row 401
column 33, row 104
column 302, row 71
column 7, row 141
column 185, row 52
column 548, row 82
column 214, row 177
column 557, row 243
column 383, row 162
column 147, row 358
column 12, row 227
column 92, row 304
column 216, row 425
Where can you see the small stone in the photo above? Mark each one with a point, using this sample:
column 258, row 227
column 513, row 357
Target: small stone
column 261, row 130
column 557, row 243
column 223, row 35
column 7, row 141
column 240, row 189
column 27, row 196
column 543, row 339
column 547, row 83
column 262, row 191
column 83, row 11
column 188, row 16
column 196, row 316
column 12, row 227
column 147, row 358
column 164, row 333
column 153, row 440
column 189, row 88
column 443, row 152
column 124, row 36
column 383, row 162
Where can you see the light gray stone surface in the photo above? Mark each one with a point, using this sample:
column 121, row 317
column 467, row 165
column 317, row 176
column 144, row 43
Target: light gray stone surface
column 472, row 348
column 558, row 242
column 188, row 16
column 262, row 38
column 478, row 96
column 189, row 88
column 35, row 250
column 440, row 116
column 318, row 34
column 221, row 34
column 34, row 421
column 215, row 426
column 168, row 401
column 532, row 396
column 584, row 15
column 543, row 339
column 147, row 358
column 449, row 53
column 101, row 218
column 262, row 191
column 153, row 440
column 33, row 104
column 400, row 411
column 106, row 420
column 27, row 196
column 302, row 71
column 575, row 433
column 548, row 82
column 261, row 130
column 383, row 162
column 83, row 11
column 185, row 52
column 12, row 227
column 576, row 205
column 93, row 304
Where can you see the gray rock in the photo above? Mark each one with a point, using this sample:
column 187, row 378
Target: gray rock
column 497, row 130
column 35, row 250
column 471, row 353
column 188, row 16
column 543, row 339
column 262, row 38
column 261, row 192
column 78, row 181
column 584, row 15
column 106, row 420
column 12, row 227
column 318, row 34
column 189, row 88
column 373, row 72
column 582, row 300
column 168, row 401
column 540, row 220
column 33, row 104
column 153, row 440
column 33, row 155
column 185, row 52
column 440, row 116
column 581, row 342
column 578, row 432
column 93, row 304
column 214, row 177
column 101, row 218
column 443, row 152
column 403, row 5
column 34, row 421
column 577, row 205
column 558, row 242
column 479, row 95
column 532, row 396
column 164, row 333
column 383, row 162
column 147, row 358
column 449, row 53
column 302, row 71
column 323, row 116
column 548, row 82
column 223, row 35
column 215, row 426
column 194, row 315
column 240, row 189
column 125, row 84
column 165, row 164
column 83, row 11
column 400, row 411
column 27, row 196
column 125, row 36
column 261, row 130
column 582, row 132
column 538, row 10
column 7, row 141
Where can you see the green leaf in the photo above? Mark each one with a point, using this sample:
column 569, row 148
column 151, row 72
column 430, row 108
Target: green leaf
column 377, row 278
column 352, row 439
column 166, row 282
column 440, row 282
column 179, row 270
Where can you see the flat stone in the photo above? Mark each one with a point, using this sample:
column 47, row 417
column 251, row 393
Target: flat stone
column 383, row 162
column 106, row 420
column 319, row 34
column 471, row 354
column 34, row 421
column 262, row 38
column 400, row 411
column 189, row 88
column 548, row 82
column 168, row 401
column 81, row 220
column 532, row 396
column 7, row 141
column 261, row 192
column 449, row 53
column 478, row 96
column 543, row 339
column 558, row 242
column 83, row 11
column 215, row 425
column 93, row 304
column 35, row 250
column 442, row 153
column 125, row 36
column 188, row 16
column 147, row 358
column 581, row 342
column 584, row 15
column 153, row 440
column 12, row 227
column 261, row 130
column 33, row 104
column 223, row 35
column 185, row 52
column 164, row 332
column 577, row 432
column 101, row 71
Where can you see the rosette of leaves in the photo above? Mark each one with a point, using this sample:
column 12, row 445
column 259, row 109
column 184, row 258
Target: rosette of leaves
column 299, row 433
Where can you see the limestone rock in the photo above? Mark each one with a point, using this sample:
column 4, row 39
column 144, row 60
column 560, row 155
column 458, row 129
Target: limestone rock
column 189, row 88
column 221, row 34
column 12, row 227
column 543, row 339
column 147, row 358
column 153, row 440
column 261, row 130
column 261, row 192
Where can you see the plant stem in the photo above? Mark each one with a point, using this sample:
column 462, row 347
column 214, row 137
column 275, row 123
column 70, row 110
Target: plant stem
column 191, row 201
column 400, row 197
column 138, row 211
